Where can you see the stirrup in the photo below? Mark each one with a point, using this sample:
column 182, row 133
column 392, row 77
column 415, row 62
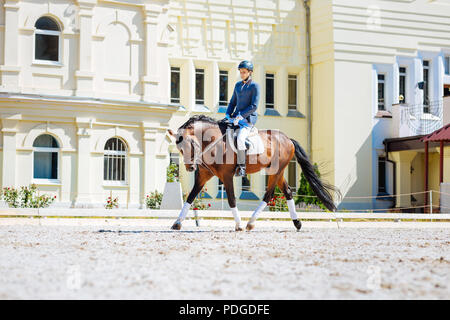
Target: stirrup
column 240, row 171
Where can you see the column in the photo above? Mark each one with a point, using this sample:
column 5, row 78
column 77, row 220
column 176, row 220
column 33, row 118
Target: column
column 281, row 83
column 213, row 86
column 150, row 81
column 10, row 70
column 403, row 176
column 84, row 157
column 150, row 171
column 188, row 84
column 85, row 75
column 9, row 130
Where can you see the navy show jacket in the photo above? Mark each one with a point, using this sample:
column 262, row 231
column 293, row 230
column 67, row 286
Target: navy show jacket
column 244, row 101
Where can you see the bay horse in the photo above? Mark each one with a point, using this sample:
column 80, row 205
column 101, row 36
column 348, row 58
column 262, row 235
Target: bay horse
column 205, row 148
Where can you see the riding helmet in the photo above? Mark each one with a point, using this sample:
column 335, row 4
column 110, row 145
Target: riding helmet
column 246, row 65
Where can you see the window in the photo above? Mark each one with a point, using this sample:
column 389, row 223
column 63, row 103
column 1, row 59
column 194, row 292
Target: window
column 292, row 92
column 426, row 74
column 381, row 87
column 175, row 84
column 381, row 175
column 114, row 160
column 292, row 175
column 200, row 86
column 245, row 184
column 46, row 44
column 402, row 84
column 447, row 65
column 270, row 86
column 223, row 89
column 45, row 157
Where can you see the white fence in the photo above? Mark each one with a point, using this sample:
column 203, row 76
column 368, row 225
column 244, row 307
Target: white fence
column 212, row 214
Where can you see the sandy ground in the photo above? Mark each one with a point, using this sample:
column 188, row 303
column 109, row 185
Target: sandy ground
column 211, row 262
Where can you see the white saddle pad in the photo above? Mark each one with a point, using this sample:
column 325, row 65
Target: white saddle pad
column 255, row 141
column 256, row 145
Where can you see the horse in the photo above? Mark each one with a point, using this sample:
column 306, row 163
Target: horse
column 206, row 149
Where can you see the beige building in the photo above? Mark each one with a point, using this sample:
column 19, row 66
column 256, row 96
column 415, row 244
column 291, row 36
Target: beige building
column 89, row 88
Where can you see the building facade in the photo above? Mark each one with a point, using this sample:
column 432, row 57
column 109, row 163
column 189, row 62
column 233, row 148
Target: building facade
column 89, row 88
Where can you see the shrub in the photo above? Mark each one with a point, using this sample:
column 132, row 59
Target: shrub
column 112, row 203
column 278, row 202
column 153, row 200
column 198, row 203
column 172, row 173
column 26, row 197
column 306, row 194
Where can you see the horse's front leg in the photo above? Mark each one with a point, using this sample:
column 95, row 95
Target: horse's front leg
column 232, row 202
column 201, row 177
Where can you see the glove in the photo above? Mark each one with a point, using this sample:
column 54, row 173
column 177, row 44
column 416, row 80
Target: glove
column 227, row 118
column 237, row 119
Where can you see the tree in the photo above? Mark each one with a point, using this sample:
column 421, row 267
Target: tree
column 305, row 192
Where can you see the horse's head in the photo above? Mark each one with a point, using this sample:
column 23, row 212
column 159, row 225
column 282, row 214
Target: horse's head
column 188, row 146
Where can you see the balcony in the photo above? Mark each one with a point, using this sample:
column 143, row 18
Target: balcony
column 419, row 119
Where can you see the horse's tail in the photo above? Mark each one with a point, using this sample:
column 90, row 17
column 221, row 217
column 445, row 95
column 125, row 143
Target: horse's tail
column 321, row 189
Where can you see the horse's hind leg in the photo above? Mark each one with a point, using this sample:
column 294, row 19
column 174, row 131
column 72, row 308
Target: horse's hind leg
column 282, row 184
column 267, row 196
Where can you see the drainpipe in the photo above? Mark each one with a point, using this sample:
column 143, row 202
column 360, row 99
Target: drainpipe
column 394, row 173
column 308, row 74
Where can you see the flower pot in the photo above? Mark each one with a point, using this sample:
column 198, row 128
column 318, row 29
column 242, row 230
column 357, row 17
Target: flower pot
column 172, row 196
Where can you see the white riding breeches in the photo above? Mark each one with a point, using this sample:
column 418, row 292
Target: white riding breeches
column 242, row 135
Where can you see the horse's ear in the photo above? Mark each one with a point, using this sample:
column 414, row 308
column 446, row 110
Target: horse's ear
column 171, row 133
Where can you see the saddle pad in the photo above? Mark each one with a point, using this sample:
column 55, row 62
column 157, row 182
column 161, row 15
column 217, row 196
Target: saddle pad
column 256, row 144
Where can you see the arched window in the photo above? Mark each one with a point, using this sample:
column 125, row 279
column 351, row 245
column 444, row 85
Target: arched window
column 114, row 162
column 45, row 157
column 46, row 42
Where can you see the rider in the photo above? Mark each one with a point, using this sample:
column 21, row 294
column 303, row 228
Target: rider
column 242, row 110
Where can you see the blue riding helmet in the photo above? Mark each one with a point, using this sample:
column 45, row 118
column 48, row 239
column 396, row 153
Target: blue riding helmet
column 246, row 65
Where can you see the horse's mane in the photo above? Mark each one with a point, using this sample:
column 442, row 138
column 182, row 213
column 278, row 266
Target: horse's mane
column 196, row 118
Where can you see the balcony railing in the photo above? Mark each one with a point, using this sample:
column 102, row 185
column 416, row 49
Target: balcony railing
column 418, row 119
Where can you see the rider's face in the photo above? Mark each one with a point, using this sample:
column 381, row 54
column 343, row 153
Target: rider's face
column 244, row 73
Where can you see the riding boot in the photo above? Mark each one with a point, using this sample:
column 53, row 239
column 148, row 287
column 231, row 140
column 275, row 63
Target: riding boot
column 240, row 169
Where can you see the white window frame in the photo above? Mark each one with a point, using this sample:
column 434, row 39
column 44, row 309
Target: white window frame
column 270, row 106
column 123, row 182
column 46, row 181
column 296, row 91
column 179, row 72
column 447, row 63
column 49, row 33
column 196, row 72
column 384, row 91
column 406, row 82
column 225, row 102
column 296, row 175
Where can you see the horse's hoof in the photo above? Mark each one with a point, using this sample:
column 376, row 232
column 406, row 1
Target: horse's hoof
column 297, row 224
column 250, row 226
column 176, row 226
column 238, row 229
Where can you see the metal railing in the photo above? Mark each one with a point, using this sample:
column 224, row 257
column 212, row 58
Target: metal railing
column 423, row 118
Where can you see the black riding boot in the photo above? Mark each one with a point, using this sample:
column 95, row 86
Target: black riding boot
column 240, row 169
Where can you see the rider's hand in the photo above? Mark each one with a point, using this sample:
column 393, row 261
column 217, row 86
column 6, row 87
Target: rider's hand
column 237, row 119
column 227, row 118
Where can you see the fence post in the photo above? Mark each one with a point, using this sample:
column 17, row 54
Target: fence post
column 221, row 186
column 431, row 201
column 196, row 218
